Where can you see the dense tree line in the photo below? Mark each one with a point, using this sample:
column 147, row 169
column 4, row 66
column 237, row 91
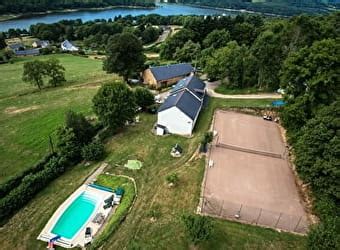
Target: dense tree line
column 280, row 7
column 310, row 77
column 247, row 51
column 24, row 6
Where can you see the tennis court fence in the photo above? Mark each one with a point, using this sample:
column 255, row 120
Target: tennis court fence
column 253, row 215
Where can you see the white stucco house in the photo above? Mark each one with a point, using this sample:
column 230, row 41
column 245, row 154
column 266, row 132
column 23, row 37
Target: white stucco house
column 179, row 113
column 68, row 46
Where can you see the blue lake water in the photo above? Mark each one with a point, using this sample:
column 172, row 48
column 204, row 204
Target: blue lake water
column 162, row 9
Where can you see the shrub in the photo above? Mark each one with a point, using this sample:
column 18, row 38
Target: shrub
column 67, row 143
column 144, row 98
column 172, row 179
column 15, row 181
column 83, row 129
column 198, row 228
column 93, row 151
column 325, row 235
column 30, row 185
column 208, row 138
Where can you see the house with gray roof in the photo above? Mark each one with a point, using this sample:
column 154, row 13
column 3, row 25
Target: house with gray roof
column 68, row 46
column 162, row 76
column 179, row 113
column 16, row 46
column 41, row 44
column 27, row 52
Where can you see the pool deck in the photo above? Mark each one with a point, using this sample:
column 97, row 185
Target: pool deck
column 79, row 238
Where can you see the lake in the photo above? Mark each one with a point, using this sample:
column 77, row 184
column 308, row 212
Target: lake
column 87, row 15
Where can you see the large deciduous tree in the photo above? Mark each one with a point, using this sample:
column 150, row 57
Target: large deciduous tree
column 34, row 72
column 55, row 71
column 168, row 49
column 234, row 62
column 217, row 39
column 82, row 128
column 144, row 98
column 189, row 52
column 114, row 104
column 124, row 55
column 313, row 71
column 2, row 41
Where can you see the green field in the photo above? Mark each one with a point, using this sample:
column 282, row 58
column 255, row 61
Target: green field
column 154, row 222
column 29, row 116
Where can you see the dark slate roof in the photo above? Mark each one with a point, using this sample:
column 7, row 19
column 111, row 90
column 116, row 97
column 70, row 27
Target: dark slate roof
column 193, row 83
column 42, row 43
column 166, row 72
column 16, row 46
column 185, row 101
column 28, row 52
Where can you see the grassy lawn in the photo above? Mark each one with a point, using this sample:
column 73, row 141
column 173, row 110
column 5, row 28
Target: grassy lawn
column 221, row 89
column 154, row 220
column 79, row 70
column 29, row 116
column 27, row 120
column 155, row 197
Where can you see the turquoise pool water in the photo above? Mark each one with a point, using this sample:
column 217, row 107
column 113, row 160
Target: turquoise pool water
column 75, row 216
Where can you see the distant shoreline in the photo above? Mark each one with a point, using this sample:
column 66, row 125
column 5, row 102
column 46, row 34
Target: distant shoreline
column 8, row 17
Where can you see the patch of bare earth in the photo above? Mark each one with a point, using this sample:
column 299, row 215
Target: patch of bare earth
column 15, row 110
column 94, row 85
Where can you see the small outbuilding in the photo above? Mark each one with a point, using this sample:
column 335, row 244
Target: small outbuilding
column 163, row 76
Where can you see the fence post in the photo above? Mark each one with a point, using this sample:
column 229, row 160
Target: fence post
column 298, row 224
column 278, row 220
column 220, row 214
column 258, row 217
column 202, row 208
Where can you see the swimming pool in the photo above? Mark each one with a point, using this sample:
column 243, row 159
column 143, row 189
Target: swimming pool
column 76, row 215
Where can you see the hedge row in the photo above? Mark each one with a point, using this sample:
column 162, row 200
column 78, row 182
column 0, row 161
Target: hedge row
column 15, row 181
column 31, row 184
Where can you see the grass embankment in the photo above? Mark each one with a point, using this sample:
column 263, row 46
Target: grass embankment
column 122, row 210
column 154, row 220
column 29, row 116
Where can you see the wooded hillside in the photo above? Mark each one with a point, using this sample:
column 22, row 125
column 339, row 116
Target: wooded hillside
column 280, row 7
column 22, row 6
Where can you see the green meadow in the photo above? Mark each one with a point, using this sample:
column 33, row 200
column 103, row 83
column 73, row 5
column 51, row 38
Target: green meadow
column 28, row 117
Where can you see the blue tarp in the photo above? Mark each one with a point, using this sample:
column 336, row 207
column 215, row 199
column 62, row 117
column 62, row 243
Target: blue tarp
column 278, row 103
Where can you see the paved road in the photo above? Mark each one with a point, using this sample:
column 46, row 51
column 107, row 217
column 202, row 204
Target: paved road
column 211, row 86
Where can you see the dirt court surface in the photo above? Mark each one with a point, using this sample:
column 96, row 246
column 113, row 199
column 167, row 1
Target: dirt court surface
column 250, row 176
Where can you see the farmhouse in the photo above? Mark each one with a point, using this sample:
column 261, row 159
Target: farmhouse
column 40, row 44
column 162, row 76
column 179, row 113
column 27, row 52
column 68, row 46
column 16, row 46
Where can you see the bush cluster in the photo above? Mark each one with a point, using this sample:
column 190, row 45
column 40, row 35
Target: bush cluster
column 15, row 181
column 31, row 184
